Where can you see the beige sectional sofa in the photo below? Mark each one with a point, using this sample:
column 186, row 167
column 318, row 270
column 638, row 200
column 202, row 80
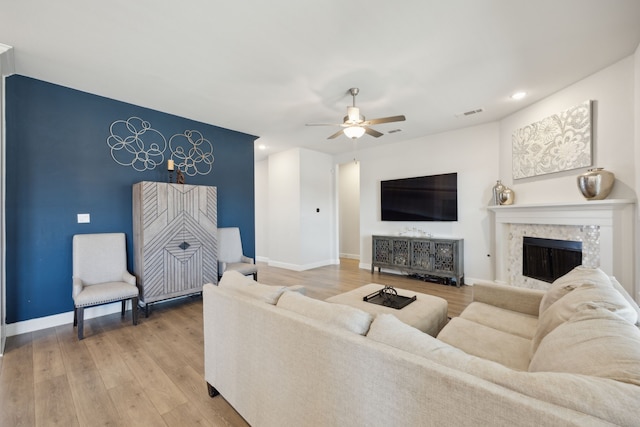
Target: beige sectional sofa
column 568, row 356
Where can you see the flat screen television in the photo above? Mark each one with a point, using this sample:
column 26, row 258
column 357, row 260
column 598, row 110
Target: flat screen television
column 423, row 198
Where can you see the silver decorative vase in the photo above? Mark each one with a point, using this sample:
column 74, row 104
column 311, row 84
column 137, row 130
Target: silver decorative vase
column 596, row 183
column 497, row 189
column 507, row 196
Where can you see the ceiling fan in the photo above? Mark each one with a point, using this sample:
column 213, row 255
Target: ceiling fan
column 354, row 125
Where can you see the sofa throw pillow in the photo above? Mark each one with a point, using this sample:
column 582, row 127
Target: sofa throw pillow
column 593, row 342
column 565, row 284
column 338, row 315
column 247, row 286
column 595, row 296
column 389, row 330
column 232, row 277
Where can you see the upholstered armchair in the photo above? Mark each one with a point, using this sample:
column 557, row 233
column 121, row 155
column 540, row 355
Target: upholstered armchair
column 100, row 275
column 230, row 256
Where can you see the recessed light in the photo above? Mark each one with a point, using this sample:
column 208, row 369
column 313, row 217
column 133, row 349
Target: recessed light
column 262, row 147
column 518, row 95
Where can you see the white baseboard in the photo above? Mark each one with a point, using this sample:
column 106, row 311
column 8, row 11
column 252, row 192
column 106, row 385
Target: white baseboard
column 303, row 267
column 364, row 266
column 262, row 259
column 350, row 256
column 62, row 319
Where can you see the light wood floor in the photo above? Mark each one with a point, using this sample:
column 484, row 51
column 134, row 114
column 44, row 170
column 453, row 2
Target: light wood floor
column 151, row 374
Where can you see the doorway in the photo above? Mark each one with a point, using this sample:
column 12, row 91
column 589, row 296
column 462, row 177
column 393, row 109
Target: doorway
column 349, row 210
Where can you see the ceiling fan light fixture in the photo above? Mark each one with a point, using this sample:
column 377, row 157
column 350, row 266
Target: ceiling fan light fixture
column 354, row 125
column 353, row 113
column 354, row 132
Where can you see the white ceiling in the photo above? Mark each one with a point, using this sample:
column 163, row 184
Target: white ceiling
column 267, row 68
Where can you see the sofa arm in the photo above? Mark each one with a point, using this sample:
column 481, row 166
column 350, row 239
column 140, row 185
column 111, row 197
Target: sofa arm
column 129, row 278
column 521, row 300
column 222, row 267
column 77, row 286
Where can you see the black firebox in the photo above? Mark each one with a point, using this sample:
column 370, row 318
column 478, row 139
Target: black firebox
column 548, row 259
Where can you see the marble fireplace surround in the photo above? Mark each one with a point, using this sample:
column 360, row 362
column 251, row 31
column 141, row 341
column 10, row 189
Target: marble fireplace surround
column 605, row 228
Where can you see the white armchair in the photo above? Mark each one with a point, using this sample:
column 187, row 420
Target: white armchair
column 100, row 275
column 230, row 256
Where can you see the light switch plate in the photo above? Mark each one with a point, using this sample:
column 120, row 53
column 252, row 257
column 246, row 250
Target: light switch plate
column 84, row 218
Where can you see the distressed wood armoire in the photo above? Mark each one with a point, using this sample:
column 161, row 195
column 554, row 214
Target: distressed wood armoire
column 174, row 239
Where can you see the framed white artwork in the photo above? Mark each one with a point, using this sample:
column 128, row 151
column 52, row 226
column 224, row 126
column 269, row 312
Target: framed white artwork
column 556, row 143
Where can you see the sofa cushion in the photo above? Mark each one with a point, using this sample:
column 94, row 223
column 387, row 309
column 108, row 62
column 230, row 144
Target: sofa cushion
column 594, row 295
column 600, row 397
column 512, row 322
column 565, row 284
column 488, row 343
column 247, row 286
column 388, row 329
column 595, row 342
column 618, row 287
column 339, row 315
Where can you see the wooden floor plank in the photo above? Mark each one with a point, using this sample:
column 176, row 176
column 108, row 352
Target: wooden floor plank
column 134, row 407
column 54, row 403
column 79, row 364
column 107, row 357
column 164, row 394
column 185, row 334
column 47, row 356
column 153, row 373
column 17, row 384
column 188, row 415
column 92, row 402
column 177, row 362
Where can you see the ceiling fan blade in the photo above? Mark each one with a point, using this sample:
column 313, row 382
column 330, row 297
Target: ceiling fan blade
column 385, row 120
column 373, row 132
column 337, row 134
column 324, row 124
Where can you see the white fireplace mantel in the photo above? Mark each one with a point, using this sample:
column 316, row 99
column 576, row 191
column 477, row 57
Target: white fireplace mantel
column 614, row 218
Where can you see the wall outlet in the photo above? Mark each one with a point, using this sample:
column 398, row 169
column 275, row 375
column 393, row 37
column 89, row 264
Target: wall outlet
column 84, row 218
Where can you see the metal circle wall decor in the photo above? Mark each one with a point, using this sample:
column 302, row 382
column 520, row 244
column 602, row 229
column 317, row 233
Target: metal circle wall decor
column 192, row 153
column 133, row 142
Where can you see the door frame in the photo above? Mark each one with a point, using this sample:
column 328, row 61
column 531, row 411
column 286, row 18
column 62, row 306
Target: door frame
column 7, row 68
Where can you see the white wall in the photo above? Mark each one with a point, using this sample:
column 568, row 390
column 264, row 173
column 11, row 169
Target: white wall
column 284, row 208
column 616, row 141
column 317, row 210
column 612, row 91
column 261, row 176
column 295, row 210
column 349, row 209
column 472, row 153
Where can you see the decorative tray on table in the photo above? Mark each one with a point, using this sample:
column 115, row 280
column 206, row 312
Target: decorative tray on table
column 389, row 297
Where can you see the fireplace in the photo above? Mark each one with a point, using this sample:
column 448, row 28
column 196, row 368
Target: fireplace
column 548, row 259
column 605, row 228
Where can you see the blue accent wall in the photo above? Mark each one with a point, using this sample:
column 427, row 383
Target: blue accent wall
column 58, row 164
